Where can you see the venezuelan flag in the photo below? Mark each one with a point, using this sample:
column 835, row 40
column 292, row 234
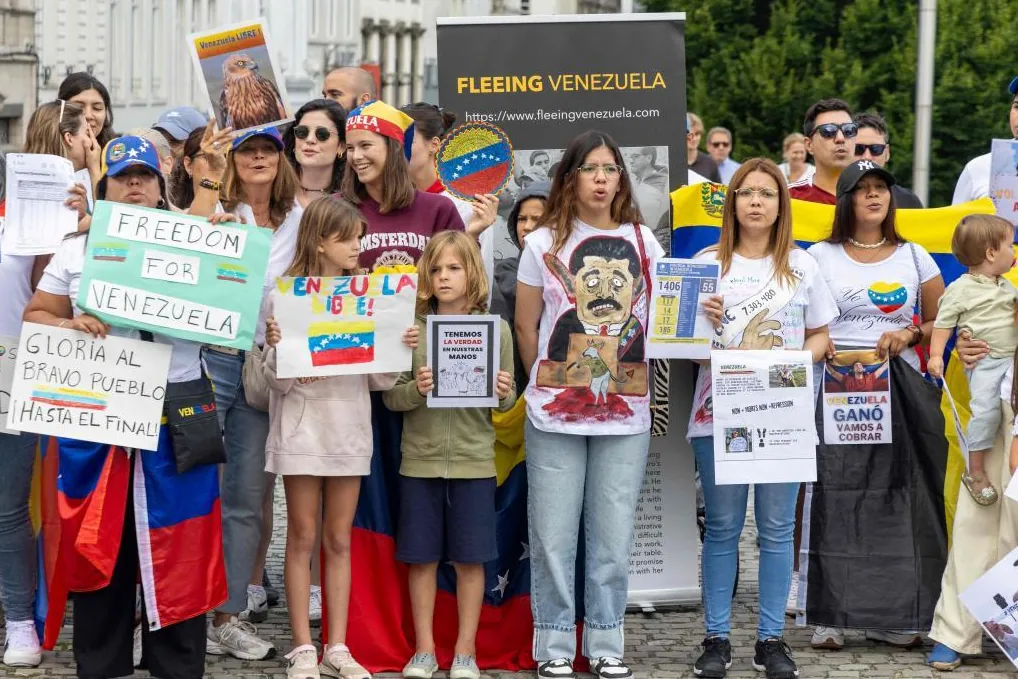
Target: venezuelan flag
column 341, row 342
column 475, row 161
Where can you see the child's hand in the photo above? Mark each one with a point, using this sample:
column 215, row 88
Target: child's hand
column 272, row 333
column 714, row 308
column 935, row 366
column 1013, row 457
column 410, row 336
column 424, row 380
column 504, row 384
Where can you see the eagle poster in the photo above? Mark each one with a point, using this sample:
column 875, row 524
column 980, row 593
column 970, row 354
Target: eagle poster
column 242, row 80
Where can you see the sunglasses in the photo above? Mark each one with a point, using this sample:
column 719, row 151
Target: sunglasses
column 720, row 144
column 322, row 134
column 875, row 149
column 830, row 130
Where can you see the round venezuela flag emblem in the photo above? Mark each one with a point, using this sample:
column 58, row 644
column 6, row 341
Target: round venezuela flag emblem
column 475, row 158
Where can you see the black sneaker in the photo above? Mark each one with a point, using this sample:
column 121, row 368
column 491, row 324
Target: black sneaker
column 556, row 669
column 774, row 657
column 610, row 668
column 271, row 593
column 715, row 660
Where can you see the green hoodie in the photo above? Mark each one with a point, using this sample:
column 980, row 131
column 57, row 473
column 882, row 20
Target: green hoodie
column 446, row 443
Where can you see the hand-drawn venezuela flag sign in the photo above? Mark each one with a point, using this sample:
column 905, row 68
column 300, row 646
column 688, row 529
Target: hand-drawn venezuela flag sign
column 476, row 158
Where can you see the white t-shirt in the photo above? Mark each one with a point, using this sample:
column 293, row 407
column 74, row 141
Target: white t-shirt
column 811, row 306
column 284, row 244
column 63, row 277
column 16, row 283
column 974, row 182
column 591, row 376
column 873, row 298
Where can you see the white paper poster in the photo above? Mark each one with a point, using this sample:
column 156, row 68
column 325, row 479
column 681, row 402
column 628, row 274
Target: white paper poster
column 463, row 354
column 8, row 355
column 857, row 399
column 67, row 383
column 993, row 601
column 1004, row 178
column 345, row 325
column 764, row 429
column 37, row 219
column 679, row 328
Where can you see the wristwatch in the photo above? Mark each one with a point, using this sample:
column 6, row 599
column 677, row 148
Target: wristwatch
column 207, row 183
column 917, row 332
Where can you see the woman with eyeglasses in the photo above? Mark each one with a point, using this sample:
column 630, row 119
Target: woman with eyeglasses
column 759, row 261
column 581, row 317
column 315, row 145
column 878, row 280
column 828, row 131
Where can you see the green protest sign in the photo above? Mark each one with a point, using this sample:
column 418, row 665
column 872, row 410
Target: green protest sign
column 174, row 274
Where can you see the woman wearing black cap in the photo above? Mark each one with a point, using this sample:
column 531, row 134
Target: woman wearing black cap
column 878, row 280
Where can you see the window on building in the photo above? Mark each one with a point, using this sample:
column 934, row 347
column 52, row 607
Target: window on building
column 137, row 42
column 156, row 61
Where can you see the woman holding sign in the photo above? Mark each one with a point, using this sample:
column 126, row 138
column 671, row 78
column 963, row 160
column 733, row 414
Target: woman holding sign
column 759, row 261
column 148, row 532
column 581, row 311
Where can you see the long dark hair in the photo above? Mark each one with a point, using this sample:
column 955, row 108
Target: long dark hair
column 844, row 220
column 337, row 114
column 181, row 184
column 430, row 121
column 560, row 212
column 79, row 82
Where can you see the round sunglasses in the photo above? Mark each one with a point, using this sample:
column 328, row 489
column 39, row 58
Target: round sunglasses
column 322, row 134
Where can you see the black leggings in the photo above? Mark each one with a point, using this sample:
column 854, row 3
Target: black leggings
column 104, row 626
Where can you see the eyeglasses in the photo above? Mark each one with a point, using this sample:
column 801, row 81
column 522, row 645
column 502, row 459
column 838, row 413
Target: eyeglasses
column 875, row 149
column 720, row 144
column 746, row 192
column 610, row 170
column 322, row 134
column 830, row 130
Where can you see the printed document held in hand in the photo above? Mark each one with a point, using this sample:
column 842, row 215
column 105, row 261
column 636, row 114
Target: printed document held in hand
column 37, row 219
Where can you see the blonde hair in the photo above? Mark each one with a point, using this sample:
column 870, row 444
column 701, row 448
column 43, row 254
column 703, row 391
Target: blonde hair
column 284, row 189
column 694, row 121
column 48, row 125
column 324, row 218
column 781, row 242
column 794, row 138
column 466, row 251
column 975, row 234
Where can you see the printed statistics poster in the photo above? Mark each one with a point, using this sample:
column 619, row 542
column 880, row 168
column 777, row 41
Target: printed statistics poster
column 679, row 327
column 343, row 325
column 68, row 383
column 241, row 77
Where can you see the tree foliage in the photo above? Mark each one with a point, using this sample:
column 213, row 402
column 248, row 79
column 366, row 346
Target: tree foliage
column 755, row 66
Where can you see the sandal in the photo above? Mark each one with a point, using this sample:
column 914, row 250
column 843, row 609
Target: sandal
column 985, row 497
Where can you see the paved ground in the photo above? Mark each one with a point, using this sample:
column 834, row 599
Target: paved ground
column 662, row 645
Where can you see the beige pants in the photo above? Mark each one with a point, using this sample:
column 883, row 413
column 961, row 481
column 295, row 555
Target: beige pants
column 982, row 536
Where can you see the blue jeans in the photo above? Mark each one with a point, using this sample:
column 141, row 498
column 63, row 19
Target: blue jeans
column 598, row 479
column 726, row 516
column 17, row 541
column 242, row 485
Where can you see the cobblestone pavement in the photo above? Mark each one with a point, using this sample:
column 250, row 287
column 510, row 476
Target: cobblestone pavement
column 661, row 645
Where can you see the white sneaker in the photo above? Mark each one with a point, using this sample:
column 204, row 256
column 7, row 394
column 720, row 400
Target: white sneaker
column 239, row 639
column 900, row 639
column 21, row 649
column 315, row 604
column 832, row 638
column 136, row 649
column 302, row 663
column 792, row 605
column 337, row 662
column 257, row 605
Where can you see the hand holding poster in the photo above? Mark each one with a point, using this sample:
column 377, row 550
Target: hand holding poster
column 463, row 354
column 241, row 79
column 37, row 219
column 8, row 355
column 174, row 274
column 857, row 399
column 679, row 328
column 346, row 325
column 993, row 601
column 763, row 417
column 68, row 383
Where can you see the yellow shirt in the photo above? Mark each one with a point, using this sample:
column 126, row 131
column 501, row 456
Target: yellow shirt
column 985, row 307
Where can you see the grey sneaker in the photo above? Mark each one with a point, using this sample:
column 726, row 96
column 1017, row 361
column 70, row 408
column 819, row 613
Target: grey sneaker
column 338, row 662
column 464, row 667
column 302, row 663
column 421, row 666
column 239, row 639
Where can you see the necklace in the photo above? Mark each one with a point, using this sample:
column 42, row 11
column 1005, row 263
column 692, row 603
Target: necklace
column 868, row 246
column 307, row 190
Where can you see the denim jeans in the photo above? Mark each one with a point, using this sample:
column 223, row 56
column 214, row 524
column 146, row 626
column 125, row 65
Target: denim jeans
column 598, row 479
column 17, row 541
column 242, row 486
column 726, row 516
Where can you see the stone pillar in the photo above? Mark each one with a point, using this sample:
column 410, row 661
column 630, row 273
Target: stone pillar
column 416, row 63
column 370, row 42
column 388, row 63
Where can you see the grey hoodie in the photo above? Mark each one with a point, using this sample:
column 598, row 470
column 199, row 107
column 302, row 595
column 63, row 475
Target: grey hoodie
column 503, row 297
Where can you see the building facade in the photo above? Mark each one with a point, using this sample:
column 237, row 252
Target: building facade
column 18, row 70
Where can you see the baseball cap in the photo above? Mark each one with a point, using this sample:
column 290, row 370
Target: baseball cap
column 267, row 132
column 127, row 151
column 180, row 122
column 1013, row 87
column 852, row 174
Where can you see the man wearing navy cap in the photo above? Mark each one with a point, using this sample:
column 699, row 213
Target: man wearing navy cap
column 177, row 124
column 974, row 181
